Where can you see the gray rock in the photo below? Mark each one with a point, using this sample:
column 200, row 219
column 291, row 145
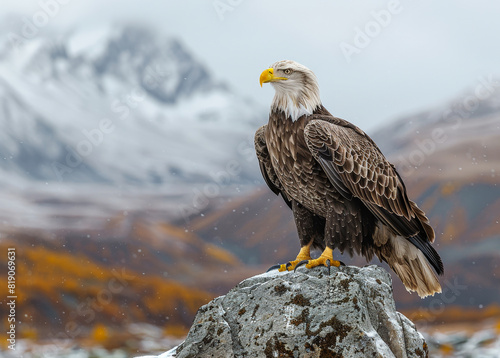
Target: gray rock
column 308, row 313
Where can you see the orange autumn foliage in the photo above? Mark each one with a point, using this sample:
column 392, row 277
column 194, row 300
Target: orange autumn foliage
column 58, row 286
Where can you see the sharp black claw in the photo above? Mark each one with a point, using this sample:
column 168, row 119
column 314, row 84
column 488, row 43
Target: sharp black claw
column 288, row 264
column 341, row 263
column 328, row 264
column 301, row 263
column 274, row 267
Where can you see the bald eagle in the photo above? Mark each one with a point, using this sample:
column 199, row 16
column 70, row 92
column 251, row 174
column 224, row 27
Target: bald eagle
column 343, row 192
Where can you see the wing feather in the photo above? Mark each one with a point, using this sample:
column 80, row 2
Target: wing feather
column 356, row 167
column 359, row 165
column 266, row 167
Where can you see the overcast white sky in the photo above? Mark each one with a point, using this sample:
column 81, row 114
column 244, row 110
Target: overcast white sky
column 423, row 54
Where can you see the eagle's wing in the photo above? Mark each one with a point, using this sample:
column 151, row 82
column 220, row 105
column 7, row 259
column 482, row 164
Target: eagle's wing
column 356, row 167
column 266, row 167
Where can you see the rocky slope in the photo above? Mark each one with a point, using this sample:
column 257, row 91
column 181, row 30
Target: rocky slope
column 74, row 284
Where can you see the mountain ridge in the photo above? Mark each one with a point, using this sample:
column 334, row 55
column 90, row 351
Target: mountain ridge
column 90, row 108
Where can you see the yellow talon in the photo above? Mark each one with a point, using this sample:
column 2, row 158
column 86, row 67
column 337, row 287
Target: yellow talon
column 304, row 254
column 322, row 260
column 304, row 258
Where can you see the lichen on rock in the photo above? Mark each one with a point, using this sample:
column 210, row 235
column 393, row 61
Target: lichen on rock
column 308, row 313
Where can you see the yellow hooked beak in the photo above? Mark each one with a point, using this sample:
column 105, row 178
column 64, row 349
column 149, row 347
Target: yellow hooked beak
column 268, row 76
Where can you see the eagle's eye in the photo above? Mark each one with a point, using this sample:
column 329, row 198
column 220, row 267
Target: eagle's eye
column 287, row 71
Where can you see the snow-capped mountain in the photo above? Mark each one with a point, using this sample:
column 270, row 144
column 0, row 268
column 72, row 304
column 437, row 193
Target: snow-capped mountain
column 122, row 106
column 446, row 124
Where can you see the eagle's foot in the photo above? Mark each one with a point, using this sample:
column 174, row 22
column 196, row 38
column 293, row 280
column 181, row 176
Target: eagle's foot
column 304, row 254
column 326, row 259
column 289, row 266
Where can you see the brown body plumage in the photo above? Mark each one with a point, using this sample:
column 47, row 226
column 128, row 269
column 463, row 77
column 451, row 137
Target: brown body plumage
column 343, row 192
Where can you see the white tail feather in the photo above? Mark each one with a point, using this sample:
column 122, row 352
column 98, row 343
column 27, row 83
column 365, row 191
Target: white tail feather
column 411, row 266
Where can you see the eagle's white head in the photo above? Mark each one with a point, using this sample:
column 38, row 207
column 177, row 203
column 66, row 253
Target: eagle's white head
column 296, row 86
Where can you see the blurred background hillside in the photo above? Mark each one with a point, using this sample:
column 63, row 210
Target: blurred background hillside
column 129, row 185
